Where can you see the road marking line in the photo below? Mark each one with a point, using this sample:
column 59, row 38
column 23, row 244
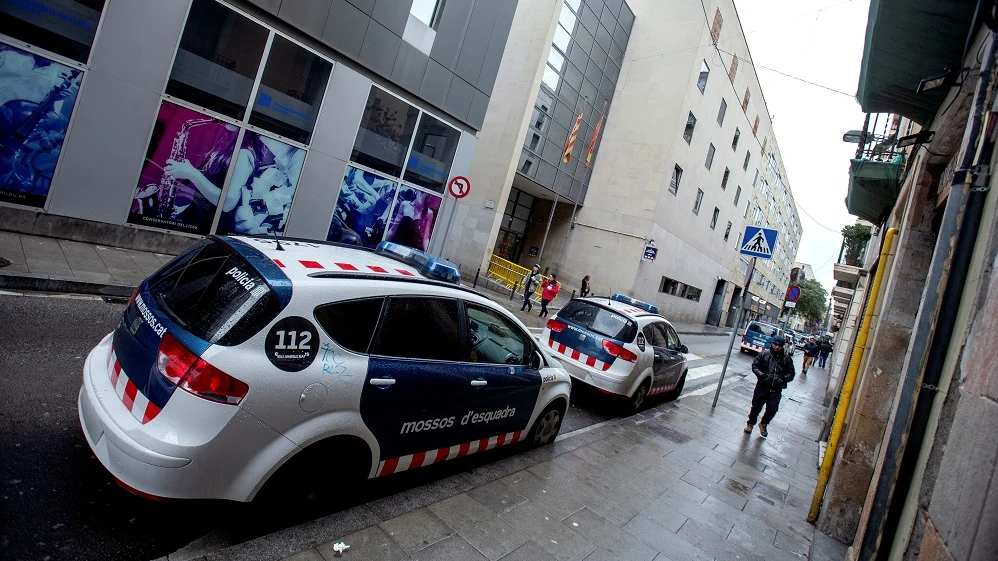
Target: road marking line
column 702, row 371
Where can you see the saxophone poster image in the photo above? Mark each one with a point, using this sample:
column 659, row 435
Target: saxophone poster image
column 184, row 171
column 262, row 186
column 361, row 215
column 37, row 97
column 413, row 218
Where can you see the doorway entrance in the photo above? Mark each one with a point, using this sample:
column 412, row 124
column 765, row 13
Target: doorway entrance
column 714, row 314
column 515, row 222
column 736, row 301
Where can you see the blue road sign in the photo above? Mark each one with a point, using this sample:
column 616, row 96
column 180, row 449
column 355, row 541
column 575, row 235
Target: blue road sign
column 793, row 294
column 758, row 242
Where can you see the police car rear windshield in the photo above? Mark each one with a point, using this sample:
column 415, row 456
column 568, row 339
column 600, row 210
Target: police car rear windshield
column 214, row 294
column 767, row 330
column 599, row 319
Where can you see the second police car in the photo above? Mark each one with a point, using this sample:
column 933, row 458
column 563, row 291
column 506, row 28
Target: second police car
column 244, row 364
column 620, row 346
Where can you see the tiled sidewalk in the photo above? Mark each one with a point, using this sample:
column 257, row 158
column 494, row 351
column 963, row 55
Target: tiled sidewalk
column 676, row 482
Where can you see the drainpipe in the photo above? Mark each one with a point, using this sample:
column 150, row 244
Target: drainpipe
column 858, row 349
column 953, row 252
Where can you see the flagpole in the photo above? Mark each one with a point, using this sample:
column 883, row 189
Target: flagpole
column 554, row 187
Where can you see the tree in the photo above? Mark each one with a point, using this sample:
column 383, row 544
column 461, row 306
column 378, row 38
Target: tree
column 811, row 304
column 855, row 238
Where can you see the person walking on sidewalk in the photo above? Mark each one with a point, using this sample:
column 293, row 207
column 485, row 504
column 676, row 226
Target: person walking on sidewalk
column 811, row 351
column 529, row 285
column 549, row 290
column 584, row 291
column 824, row 349
column 774, row 369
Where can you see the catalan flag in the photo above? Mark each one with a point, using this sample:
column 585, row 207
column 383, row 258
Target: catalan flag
column 592, row 143
column 566, row 154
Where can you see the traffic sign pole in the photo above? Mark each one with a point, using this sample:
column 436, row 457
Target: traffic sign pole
column 734, row 332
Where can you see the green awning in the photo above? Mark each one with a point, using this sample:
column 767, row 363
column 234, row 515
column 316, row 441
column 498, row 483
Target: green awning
column 906, row 41
column 874, row 187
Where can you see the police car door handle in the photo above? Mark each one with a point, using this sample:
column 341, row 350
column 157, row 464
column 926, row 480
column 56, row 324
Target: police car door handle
column 382, row 382
column 479, row 383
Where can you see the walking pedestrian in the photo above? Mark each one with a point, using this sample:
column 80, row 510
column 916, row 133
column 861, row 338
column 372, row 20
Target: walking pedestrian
column 811, row 350
column 773, row 370
column 549, row 290
column 824, row 349
column 584, row 291
column 529, row 286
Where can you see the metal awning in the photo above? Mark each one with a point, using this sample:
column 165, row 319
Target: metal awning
column 874, row 187
column 906, row 41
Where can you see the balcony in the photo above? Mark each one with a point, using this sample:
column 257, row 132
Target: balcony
column 848, row 268
column 875, row 172
column 842, row 292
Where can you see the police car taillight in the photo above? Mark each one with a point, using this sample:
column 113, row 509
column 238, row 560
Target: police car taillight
column 619, row 351
column 556, row 326
column 428, row 265
column 192, row 374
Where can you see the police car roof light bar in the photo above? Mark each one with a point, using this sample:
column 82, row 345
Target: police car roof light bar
column 427, row 264
column 635, row 302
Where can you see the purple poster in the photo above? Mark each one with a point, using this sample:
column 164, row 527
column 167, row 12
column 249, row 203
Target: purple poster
column 262, row 186
column 361, row 214
column 185, row 167
column 37, row 97
column 413, row 218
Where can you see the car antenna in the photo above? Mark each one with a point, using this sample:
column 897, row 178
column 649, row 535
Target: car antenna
column 277, row 241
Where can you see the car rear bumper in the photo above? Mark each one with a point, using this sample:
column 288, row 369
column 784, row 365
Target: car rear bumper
column 172, row 456
column 602, row 381
column 750, row 347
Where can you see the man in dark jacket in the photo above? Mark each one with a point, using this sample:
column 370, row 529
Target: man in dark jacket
column 530, row 283
column 774, row 369
column 824, row 349
column 811, row 349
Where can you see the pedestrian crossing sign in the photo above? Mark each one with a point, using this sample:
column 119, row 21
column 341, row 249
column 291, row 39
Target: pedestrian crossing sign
column 758, row 242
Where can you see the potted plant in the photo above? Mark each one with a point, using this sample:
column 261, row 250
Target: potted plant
column 854, row 239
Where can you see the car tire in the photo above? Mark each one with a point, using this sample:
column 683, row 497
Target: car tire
column 546, row 427
column 294, row 484
column 637, row 401
column 674, row 394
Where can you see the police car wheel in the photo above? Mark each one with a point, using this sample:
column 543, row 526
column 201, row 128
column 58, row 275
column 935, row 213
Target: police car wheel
column 637, row 401
column 546, row 427
column 300, row 481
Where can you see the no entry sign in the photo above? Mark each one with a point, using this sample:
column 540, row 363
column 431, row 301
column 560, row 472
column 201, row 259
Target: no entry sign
column 459, row 187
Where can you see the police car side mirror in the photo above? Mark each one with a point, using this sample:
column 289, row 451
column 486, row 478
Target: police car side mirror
column 536, row 360
column 684, row 349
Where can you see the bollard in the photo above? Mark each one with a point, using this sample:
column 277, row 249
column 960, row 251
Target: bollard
column 512, row 292
column 573, row 294
column 475, row 284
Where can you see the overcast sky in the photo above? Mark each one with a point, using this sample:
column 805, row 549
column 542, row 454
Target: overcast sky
column 820, row 41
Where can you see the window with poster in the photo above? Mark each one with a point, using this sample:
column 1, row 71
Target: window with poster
column 44, row 52
column 399, row 166
column 233, row 128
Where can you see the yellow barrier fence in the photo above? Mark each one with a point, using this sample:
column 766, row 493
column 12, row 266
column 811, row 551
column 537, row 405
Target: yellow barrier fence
column 510, row 276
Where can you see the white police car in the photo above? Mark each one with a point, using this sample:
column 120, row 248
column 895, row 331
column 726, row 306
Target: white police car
column 242, row 361
column 620, row 346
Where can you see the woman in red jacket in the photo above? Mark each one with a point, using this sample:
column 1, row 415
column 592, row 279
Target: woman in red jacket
column 549, row 289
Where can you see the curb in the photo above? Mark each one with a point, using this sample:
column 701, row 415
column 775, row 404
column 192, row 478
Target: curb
column 14, row 280
column 728, row 334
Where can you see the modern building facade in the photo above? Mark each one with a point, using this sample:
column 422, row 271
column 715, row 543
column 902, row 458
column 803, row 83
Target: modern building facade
column 685, row 148
column 147, row 124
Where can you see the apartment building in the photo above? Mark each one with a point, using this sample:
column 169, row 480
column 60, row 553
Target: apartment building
column 686, row 152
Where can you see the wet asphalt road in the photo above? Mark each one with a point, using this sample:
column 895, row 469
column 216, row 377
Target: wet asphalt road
column 58, row 502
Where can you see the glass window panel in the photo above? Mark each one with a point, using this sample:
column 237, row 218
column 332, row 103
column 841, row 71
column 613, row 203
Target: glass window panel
column 385, row 132
column 573, row 76
column 425, row 11
column 589, row 19
column 589, row 90
column 291, row 90
column 218, row 59
column 691, row 123
column 65, row 27
column 495, row 339
column 568, row 95
column 616, row 54
column 567, row 19
column 550, row 78
column 432, row 154
column 702, row 79
column 721, row 111
column 562, row 38
column 583, row 39
column 528, row 165
column 603, row 38
column 555, row 59
column 574, row 4
column 710, row 156
column 421, row 328
column 598, row 56
column 522, row 212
